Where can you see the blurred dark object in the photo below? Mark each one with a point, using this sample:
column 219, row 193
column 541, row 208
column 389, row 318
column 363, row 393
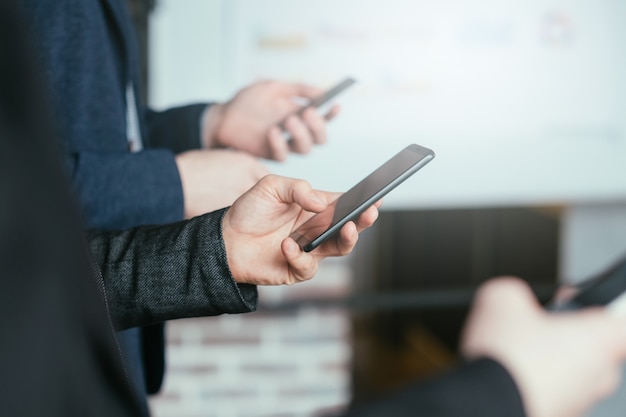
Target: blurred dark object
column 443, row 255
column 58, row 357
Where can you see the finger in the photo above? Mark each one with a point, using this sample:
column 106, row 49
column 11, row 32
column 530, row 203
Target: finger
column 367, row 218
column 305, row 90
column 316, row 125
column 279, row 148
column 332, row 113
column 348, row 237
column 342, row 244
column 302, row 266
column 301, row 138
column 290, row 190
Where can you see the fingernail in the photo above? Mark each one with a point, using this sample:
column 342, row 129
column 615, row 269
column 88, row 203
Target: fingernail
column 293, row 246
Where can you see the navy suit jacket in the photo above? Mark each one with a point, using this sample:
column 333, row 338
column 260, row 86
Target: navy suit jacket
column 89, row 53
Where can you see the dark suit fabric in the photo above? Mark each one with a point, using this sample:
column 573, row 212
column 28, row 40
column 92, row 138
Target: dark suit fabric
column 157, row 273
column 58, row 353
column 88, row 54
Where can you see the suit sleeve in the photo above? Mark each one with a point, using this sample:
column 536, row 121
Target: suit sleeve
column 177, row 129
column 152, row 274
column 123, row 189
column 482, row 388
column 146, row 184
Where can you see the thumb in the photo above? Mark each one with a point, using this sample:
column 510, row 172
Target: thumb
column 499, row 304
column 507, row 293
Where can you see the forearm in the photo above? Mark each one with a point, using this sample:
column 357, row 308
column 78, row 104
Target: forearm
column 157, row 273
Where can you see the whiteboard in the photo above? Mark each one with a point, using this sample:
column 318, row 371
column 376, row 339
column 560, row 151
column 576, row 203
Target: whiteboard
column 523, row 102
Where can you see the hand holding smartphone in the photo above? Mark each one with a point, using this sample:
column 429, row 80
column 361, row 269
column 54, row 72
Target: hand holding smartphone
column 355, row 201
column 605, row 289
column 321, row 103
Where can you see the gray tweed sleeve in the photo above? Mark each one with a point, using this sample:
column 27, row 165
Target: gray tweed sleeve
column 157, row 273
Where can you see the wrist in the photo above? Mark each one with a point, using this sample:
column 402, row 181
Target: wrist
column 228, row 239
column 211, row 121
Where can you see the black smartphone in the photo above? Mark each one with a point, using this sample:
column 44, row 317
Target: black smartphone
column 607, row 288
column 356, row 200
column 323, row 100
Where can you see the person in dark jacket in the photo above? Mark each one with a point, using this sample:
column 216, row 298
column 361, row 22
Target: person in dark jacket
column 132, row 166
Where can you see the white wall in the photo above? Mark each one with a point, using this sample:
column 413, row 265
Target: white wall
column 522, row 101
column 186, row 44
column 593, row 236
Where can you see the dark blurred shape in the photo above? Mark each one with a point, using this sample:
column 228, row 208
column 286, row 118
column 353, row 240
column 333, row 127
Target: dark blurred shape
column 425, row 266
column 55, row 358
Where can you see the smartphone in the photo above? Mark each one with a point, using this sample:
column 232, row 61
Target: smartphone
column 322, row 102
column 356, row 200
column 607, row 288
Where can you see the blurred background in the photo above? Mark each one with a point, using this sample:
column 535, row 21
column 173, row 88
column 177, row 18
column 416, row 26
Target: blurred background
column 524, row 103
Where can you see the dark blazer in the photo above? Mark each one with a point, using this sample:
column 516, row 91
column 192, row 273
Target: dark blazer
column 59, row 359
column 157, row 273
column 89, row 53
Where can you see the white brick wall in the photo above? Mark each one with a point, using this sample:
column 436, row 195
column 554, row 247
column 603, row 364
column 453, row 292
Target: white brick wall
column 268, row 363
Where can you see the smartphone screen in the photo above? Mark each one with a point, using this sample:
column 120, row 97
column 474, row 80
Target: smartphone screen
column 357, row 199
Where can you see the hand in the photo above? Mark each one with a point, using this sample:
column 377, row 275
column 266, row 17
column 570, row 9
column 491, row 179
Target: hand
column 563, row 363
column 257, row 226
column 250, row 120
column 212, row 179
